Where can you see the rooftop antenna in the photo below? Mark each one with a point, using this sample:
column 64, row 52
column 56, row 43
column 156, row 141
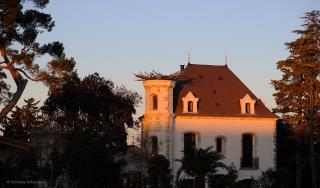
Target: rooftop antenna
column 226, row 60
column 189, row 57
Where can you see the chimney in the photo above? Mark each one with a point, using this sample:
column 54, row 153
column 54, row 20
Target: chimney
column 181, row 68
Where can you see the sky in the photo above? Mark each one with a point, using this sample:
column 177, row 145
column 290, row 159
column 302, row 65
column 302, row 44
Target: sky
column 117, row 38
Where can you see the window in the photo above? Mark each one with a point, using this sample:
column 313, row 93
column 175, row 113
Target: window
column 248, row 151
column 247, row 108
column 190, row 106
column 189, row 143
column 154, row 143
column 247, row 105
column 190, row 103
column 154, row 102
column 221, row 144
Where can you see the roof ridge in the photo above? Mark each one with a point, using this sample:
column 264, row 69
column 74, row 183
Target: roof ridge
column 207, row 65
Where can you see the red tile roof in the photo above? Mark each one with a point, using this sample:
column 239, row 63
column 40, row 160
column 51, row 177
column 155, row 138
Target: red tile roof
column 219, row 91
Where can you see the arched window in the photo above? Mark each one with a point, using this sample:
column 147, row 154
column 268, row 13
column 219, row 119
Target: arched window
column 221, row 144
column 247, row 108
column 155, row 102
column 248, row 151
column 154, row 145
column 189, row 143
column 190, row 106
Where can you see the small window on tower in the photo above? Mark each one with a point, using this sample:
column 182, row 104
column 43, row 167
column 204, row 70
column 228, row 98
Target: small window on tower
column 190, row 106
column 247, row 108
column 154, row 102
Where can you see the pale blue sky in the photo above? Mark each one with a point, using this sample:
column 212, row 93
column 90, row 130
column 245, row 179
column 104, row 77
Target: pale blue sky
column 120, row 37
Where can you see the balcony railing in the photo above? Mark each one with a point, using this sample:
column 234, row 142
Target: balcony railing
column 250, row 163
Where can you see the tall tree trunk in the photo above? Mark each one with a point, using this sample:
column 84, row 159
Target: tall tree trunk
column 298, row 165
column 312, row 152
column 21, row 85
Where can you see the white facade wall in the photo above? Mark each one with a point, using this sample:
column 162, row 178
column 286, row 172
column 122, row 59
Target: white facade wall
column 208, row 128
column 170, row 129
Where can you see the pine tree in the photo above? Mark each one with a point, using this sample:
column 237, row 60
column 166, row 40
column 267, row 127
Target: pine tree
column 298, row 91
column 21, row 22
column 18, row 126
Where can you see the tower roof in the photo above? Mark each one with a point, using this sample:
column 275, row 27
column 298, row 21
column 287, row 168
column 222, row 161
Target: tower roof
column 219, row 91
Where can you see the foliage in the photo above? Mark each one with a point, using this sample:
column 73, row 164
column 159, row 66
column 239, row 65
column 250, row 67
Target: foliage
column 224, row 180
column 22, row 120
column 20, row 166
column 98, row 165
column 275, row 179
column 159, row 172
column 20, row 24
column 298, row 91
column 286, row 143
column 202, row 163
column 90, row 114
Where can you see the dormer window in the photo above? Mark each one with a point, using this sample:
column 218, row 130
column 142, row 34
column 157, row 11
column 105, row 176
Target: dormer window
column 154, row 102
column 190, row 103
column 247, row 105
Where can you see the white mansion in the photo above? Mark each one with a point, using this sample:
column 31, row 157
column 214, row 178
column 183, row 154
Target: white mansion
column 209, row 106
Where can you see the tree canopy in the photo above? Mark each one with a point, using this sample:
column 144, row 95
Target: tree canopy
column 298, row 91
column 90, row 115
column 20, row 50
column 200, row 164
column 18, row 126
column 159, row 172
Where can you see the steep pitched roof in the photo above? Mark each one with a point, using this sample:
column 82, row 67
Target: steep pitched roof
column 219, row 91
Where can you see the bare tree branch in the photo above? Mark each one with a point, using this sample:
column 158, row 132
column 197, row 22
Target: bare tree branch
column 154, row 75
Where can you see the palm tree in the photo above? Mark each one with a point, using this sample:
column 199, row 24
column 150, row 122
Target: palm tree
column 200, row 164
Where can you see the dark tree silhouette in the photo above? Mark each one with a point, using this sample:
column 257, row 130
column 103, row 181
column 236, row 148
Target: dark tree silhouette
column 201, row 164
column 18, row 126
column 20, row 25
column 224, row 180
column 159, row 172
column 90, row 114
